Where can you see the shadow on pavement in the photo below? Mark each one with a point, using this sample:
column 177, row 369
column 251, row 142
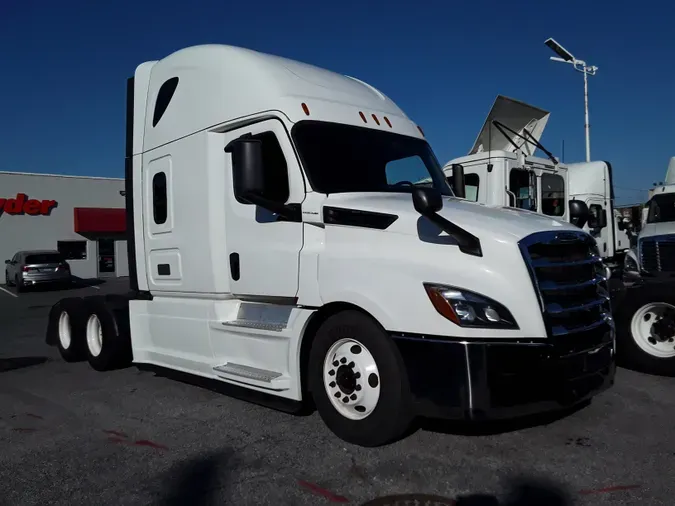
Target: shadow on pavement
column 203, row 481
column 237, row 392
column 520, row 492
column 477, row 428
column 9, row 364
column 85, row 282
column 523, row 492
column 75, row 284
column 197, row 482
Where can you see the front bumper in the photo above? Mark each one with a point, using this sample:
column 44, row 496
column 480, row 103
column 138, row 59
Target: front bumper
column 487, row 380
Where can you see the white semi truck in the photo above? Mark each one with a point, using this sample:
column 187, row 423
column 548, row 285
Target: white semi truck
column 277, row 243
column 501, row 170
column 646, row 313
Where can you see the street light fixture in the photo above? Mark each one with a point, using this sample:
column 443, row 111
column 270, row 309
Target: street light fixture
column 565, row 56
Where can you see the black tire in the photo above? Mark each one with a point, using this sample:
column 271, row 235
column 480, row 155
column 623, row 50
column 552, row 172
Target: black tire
column 19, row 285
column 7, row 281
column 70, row 313
column 629, row 353
column 115, row 343
column 393, row 412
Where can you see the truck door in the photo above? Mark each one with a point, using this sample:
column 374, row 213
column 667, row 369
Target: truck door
column 264, row 248
column 602, row 232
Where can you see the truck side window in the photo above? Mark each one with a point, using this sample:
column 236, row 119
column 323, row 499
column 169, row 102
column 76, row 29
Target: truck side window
column 522, row 185
column 471, row 183
column 595, row 211
column 159, row 198
column 552, row 195
column 276, row 168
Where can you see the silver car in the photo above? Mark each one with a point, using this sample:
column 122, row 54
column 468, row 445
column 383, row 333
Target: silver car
column 29, row 268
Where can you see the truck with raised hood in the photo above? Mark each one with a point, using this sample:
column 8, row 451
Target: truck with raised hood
column 278, row 242
column 646, row 310
column 501, row 169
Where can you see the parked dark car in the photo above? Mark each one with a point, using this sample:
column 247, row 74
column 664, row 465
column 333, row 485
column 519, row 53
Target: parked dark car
column 30, row 268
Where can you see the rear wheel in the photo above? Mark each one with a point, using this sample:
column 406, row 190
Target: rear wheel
column 65, row 329
column 358, row 381
column 107, row 343
column 7, row 281
column 646, row 331
column 19, row 284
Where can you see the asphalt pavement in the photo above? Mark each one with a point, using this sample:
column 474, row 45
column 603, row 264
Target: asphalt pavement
column 70, row 435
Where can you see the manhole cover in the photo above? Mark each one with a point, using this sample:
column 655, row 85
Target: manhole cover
column 412, row 500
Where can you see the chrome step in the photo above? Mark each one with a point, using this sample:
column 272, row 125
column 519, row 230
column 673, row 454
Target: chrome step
column 244, row 371
column 258, row 325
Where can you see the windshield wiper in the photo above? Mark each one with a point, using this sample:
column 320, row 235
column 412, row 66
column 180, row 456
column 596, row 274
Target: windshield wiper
column 500, row 126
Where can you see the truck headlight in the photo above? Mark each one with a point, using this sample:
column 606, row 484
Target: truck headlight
column 469, row 309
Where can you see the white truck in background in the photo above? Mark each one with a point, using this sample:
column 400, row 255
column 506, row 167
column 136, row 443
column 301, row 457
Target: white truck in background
column 501, row 170
column 278, row 244
column 646, row 313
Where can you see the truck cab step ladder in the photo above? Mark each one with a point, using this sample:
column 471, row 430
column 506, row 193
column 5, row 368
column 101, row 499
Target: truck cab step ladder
column 258, row 325
column 251, row 375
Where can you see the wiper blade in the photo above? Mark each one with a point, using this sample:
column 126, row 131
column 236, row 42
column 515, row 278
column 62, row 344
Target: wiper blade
column 500, row 126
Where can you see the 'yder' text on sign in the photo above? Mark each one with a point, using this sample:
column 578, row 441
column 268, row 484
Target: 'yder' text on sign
column 22, row 205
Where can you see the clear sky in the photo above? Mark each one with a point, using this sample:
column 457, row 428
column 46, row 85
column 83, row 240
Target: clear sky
column 63, row 70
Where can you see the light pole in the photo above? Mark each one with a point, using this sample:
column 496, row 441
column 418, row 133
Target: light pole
column 565, row 56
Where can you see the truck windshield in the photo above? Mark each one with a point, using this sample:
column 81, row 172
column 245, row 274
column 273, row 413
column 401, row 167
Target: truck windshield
column 662, row 208
column 342, row 158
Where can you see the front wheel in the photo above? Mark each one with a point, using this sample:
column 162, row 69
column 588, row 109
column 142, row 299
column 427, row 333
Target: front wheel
column 358, row 380
column 646, row 331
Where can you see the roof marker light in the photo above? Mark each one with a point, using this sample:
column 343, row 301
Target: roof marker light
column 305, row 108
column 363, row 117
column 387, row 121
column 375, row 118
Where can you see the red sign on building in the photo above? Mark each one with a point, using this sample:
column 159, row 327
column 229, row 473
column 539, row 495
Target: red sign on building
column 22, row 205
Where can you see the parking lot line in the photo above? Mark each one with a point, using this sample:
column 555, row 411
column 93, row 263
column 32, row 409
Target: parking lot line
column 7, row 291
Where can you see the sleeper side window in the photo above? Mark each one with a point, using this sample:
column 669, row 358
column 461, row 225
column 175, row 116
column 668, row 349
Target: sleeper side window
column 159, row 198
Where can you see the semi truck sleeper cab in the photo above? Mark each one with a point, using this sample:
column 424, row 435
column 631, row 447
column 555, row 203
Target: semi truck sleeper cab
column 278, row 241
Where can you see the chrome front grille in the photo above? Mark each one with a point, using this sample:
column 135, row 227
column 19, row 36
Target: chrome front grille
column 657, row 253
column 569, row 278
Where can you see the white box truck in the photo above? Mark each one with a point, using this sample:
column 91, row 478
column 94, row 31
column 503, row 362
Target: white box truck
column 278, row 242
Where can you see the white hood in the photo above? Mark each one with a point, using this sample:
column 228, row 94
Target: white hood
column 501, row 223
column 652, row 229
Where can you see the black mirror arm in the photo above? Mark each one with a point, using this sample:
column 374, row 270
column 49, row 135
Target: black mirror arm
column 467, row 242
column 289, row 212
